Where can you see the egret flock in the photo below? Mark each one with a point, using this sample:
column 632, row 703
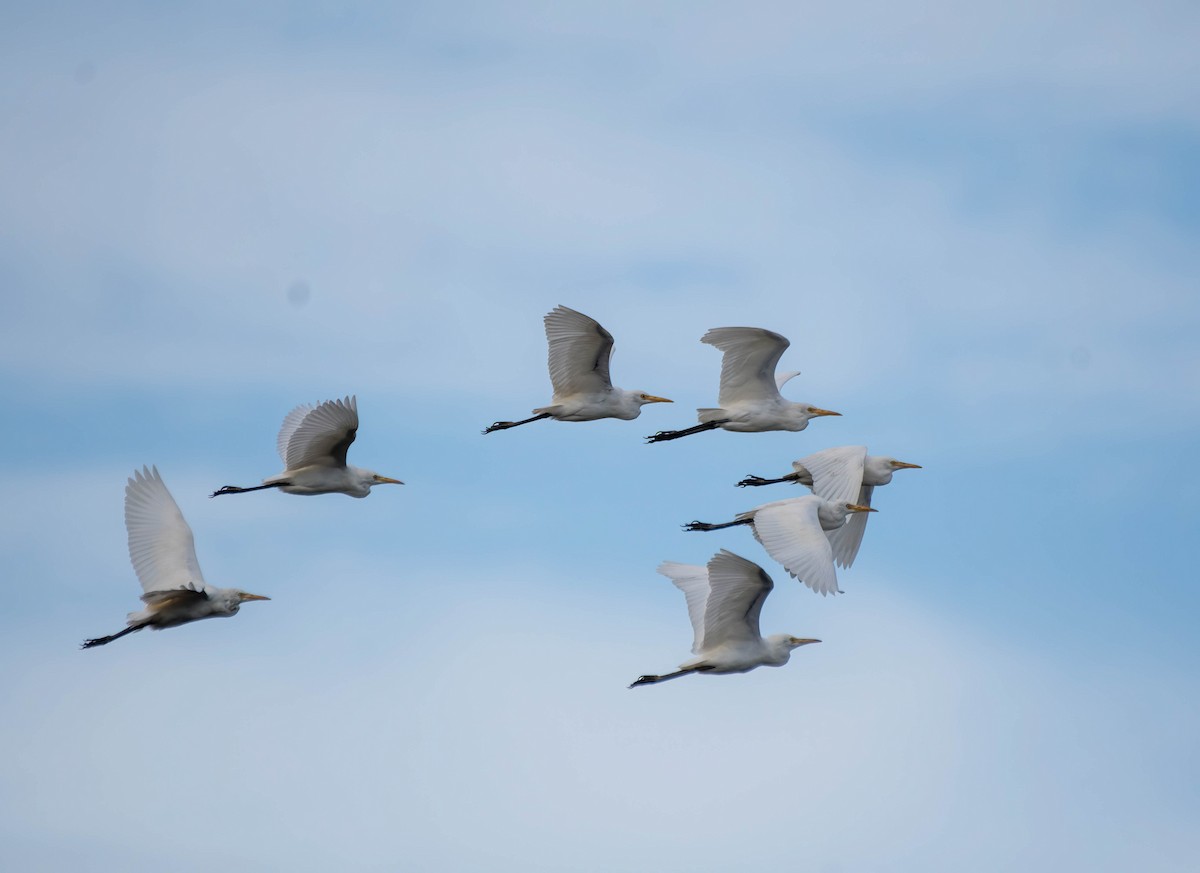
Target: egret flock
column 809, row 536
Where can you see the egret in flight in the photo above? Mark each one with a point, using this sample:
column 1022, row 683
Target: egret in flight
column 724, row 601
column 313, row 442
column 164, row 557
column 846, row 473
column 794, row 533
column 749, row 396
column 580, row 350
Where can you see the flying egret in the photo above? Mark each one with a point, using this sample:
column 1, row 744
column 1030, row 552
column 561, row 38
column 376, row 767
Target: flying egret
column 724, row 602
column 164, row 557
column 749, row 396
column 312, row 443
column 846, row 473
column 580, row 350
column 794, row 533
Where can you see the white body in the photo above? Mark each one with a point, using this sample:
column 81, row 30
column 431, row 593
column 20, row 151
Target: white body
column 724, row 602
column 749, row 397
column 847, row 474
column 313, row 442
column 794, row 533
column 580, row 350
column 163, row 554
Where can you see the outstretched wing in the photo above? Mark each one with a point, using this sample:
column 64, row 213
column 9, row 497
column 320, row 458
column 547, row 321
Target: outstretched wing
column 318, row 436
column 846, row 539
column 748, row 365
column 737, row 589
column 693, row 582
column 837, row 477
column 580, row 350
column 160, row 542
column 791, row 533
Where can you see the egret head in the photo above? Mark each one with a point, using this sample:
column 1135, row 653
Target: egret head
column 797, row 642
column 643, row 398
column 230, row 599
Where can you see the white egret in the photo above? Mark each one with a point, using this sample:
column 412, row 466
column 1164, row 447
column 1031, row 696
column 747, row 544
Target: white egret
column 313, row 442
column 845, row 473
column 794, row 533
column 724, row 602
column 580, row 351
column 749, row 396
column 164, row 557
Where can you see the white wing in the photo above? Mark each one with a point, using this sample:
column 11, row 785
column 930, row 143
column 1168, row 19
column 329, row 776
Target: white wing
column 791, row 533
column 748, row 365
column 737, row 589
column 837, row 477
column 693, row 582
column 318, row 435
column 160, row 542
column 837, row 473
column 580, row 350
column 782, row 379
column 846, row 539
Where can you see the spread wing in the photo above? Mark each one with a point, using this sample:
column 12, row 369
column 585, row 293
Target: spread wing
column 318, row 436
column 160, row 542
column 737, row 589
column 748, row 365
column 791, row 533
column 693, row 582
column 846, row 539
column 580, row 350
column 837, row 477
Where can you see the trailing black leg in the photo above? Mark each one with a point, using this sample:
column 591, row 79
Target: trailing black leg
column 505, row 425
column 100, row 641
column 650, row 680
column 233, row 489
column 759, row 480
column 703, row 525
column 664, row 435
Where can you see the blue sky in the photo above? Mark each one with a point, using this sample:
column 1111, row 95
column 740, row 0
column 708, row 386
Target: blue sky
column 977, row 227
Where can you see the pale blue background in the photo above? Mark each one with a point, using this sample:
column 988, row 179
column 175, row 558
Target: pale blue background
column 977, row 224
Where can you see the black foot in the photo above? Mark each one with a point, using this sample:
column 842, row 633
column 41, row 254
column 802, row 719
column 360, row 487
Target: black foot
column 644, row 680
column 755, row 480
column 499, row 425
column 228, row 489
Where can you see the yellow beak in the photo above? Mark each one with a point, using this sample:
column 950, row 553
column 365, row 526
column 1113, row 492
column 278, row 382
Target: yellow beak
column 804, row 642
column 384, row 480
column 246, row 597
column 819, row 412
column 901, row 465
column 854, row 507
column 650, row 398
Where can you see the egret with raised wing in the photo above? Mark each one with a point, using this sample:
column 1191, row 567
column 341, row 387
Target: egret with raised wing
column 164, row 557
column 794, row 533
column 842, row 474
column 749, row 395
column 724, row 602
column 580, row 351
column 313, row 442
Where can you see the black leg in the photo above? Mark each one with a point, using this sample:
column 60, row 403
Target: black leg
column 233, row 489
column 759, row 480
column 664, row 435
column 650, row 680
column 100, row 641
column 505, row 425
column 702, row 525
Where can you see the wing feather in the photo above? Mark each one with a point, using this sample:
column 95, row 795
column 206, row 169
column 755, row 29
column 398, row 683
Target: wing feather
column 847, row 539
column 748, row 365
column 160, row 542
column 580, row 351
column 320, row 435
column 791, row 533
column 693, row 582
column 737, row 589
